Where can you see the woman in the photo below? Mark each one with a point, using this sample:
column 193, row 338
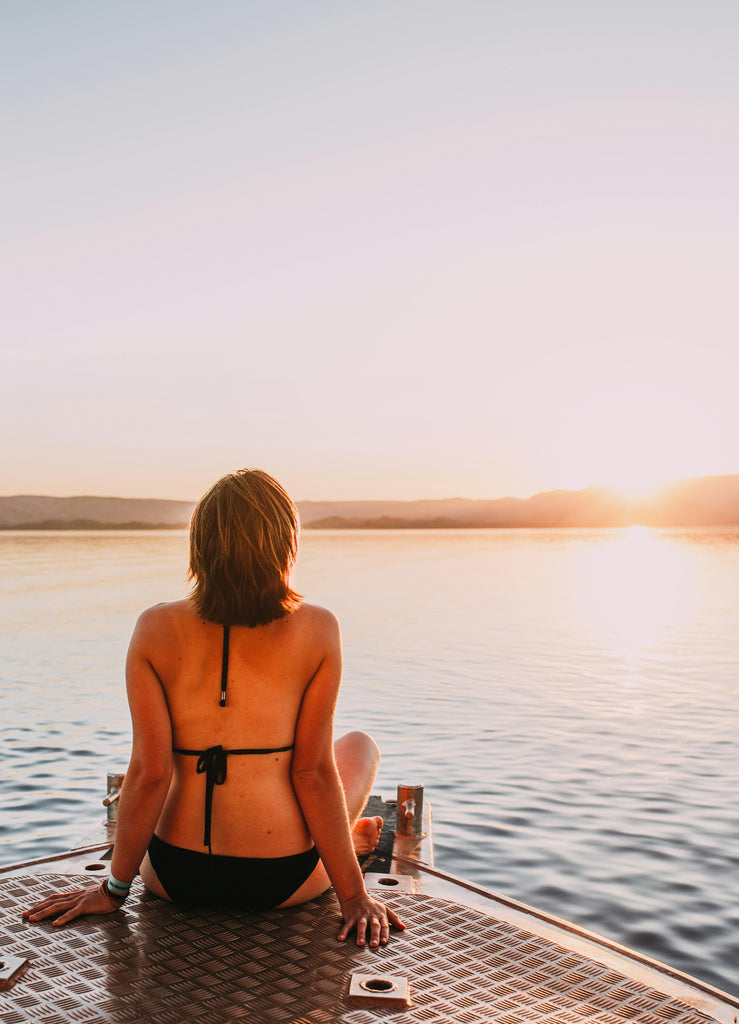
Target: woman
column 236, row 795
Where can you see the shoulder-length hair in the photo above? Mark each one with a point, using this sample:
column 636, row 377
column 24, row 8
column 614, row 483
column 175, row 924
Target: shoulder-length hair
column 243, row 545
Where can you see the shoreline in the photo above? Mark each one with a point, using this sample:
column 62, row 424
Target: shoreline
column 379, row 524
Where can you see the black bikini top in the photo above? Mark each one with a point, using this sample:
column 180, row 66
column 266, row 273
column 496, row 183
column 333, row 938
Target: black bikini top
column 213, row 761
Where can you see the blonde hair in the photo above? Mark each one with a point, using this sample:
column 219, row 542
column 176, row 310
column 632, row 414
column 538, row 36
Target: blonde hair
column 243, row 545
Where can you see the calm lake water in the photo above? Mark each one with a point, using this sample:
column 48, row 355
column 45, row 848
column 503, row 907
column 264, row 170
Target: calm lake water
column 568, row 698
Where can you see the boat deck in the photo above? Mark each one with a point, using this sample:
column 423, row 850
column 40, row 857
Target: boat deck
column 467, row 956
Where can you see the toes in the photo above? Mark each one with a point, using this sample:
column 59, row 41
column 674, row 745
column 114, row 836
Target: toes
column 367, row 834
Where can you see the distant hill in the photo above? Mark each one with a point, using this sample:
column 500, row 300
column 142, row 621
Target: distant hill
column 34, row 511
column 591, row 507
column 702, row 501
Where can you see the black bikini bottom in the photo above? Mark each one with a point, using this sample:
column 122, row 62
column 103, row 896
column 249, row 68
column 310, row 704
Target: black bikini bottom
column 194, row 879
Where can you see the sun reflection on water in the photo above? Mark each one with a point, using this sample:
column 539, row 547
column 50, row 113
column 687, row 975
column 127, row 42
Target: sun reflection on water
column 637, row 588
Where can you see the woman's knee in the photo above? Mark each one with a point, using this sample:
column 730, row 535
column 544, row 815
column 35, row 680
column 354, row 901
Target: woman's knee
column 357, row 760
column 358, row 745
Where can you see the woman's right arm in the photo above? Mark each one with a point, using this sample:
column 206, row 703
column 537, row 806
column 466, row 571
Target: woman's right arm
column 320, row 793
column 150, row 768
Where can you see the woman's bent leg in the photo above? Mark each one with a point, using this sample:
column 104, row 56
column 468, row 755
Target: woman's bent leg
column 357, row 758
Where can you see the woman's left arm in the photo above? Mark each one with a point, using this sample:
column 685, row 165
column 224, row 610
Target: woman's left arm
column 145, row 788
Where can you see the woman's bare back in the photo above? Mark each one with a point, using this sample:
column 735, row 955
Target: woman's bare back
column 255, row 813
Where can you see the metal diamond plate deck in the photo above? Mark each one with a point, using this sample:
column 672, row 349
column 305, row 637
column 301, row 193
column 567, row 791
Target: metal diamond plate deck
column 157, row 964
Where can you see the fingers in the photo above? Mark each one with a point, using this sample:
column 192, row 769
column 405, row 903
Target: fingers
column 395, row 920
column 51, row 905
column 379, row 931
column 66, row 906
column 362, row 925
column 40, row 913
column 372, row 924
column 69, row 916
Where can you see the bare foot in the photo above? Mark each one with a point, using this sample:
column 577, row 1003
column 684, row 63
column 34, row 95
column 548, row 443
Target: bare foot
column 366, row 834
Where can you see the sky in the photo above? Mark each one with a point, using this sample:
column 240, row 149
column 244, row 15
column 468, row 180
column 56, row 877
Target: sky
column 382, row 250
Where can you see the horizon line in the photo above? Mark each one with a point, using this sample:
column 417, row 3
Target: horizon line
column 630, row 493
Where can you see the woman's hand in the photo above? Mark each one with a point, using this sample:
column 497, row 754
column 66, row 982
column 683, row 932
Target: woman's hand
column 363, row 913
column 75, row 903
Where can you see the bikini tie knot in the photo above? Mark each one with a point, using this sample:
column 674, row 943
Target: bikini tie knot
column 212, row 762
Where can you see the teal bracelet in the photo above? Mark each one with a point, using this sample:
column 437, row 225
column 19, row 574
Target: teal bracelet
column 116, row 887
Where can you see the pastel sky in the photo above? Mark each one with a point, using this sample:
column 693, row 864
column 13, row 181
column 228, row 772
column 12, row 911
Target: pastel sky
column 404, row 249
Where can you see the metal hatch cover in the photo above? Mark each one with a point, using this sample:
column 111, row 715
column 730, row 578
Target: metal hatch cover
column 153, row 963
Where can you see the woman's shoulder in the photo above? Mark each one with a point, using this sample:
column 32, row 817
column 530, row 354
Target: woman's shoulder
column 316, row 616
column 166, row 616
column 315, row 625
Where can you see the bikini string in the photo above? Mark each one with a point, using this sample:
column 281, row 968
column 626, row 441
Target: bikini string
column 224, row 665
column 213, row 763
